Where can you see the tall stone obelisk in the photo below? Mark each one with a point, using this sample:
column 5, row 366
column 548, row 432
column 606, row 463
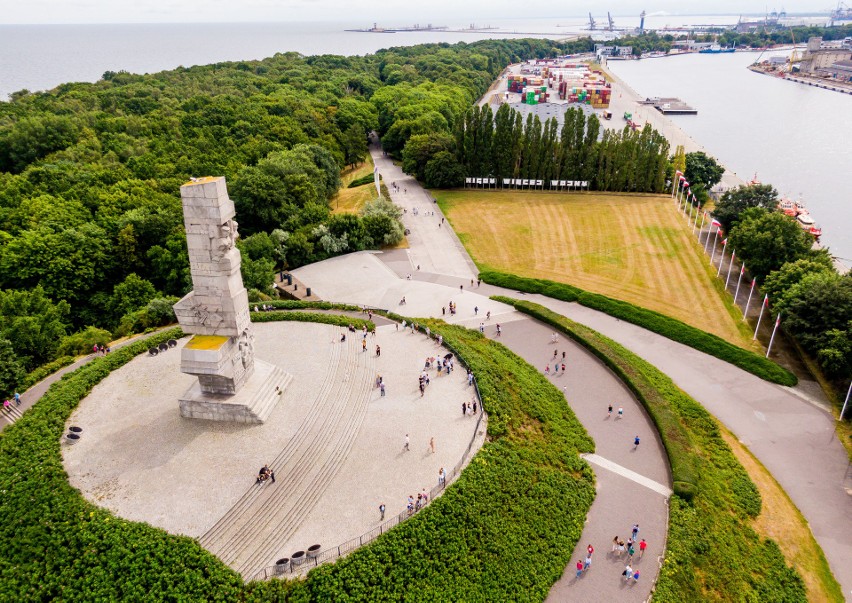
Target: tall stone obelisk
column 232, row 385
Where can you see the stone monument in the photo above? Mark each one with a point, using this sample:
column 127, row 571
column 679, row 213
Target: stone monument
column 232, row 385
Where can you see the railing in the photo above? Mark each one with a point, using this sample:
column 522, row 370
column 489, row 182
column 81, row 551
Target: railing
column 334, row 553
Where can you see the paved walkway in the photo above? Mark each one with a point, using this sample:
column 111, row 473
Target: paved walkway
column 633, row 485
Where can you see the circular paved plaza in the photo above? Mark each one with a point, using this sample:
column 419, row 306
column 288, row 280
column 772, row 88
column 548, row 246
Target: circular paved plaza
column 336, row 445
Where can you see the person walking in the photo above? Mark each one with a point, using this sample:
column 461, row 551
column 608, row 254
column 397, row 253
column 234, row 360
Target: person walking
column 635, row 445
column 620, row 412
column 476, row 310
column 407, row 445
column 609, row 411
column 627, row 573
column 442, row 477
column 590, row 550
column 547, row 370
column 17, row 397
column 498, row 330
column 382, row 389
column 378, row 351
column 635, row 576
column 579, row 567
column 432, row 445
column 464, row 408
column 615, row 544
column 642, row 546
column 382, row 512
column 635, row 531
column 363, row 345
column 587, row 563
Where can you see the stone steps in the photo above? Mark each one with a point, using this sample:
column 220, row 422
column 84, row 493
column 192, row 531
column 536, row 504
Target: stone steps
column 213, row 537
column 253, row 533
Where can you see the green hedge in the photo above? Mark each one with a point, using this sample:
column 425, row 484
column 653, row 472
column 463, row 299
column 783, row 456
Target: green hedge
column 653, row 321
column 44, row 371
column 295, row 304
column 503, row 531
column 713, row 553
column 366, row 179
column 328, row 319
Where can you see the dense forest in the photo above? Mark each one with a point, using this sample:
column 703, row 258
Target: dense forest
column 91, row 229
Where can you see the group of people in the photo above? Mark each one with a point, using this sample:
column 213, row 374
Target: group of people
column 265, row 474
column 452, row 307
column 100, row 349
column 7, row 404
column 469, row 407
column 619, row 549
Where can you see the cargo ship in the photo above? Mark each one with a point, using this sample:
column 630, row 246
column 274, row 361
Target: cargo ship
column 795, row 209
column 716, row 49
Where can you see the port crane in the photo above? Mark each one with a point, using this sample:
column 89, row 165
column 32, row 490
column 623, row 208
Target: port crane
column 611, row 22
column 592, row 23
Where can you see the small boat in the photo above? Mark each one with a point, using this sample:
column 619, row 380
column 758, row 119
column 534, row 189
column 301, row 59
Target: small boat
column 716, row 49
column 809, row 225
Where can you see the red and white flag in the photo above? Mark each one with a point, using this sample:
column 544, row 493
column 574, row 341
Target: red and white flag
column 742, row 270
column 715, row 222
column 682, row 179
column 725, row 241
column 766, row 300
column 678, row 173
column 685, row 183
column 778, row 320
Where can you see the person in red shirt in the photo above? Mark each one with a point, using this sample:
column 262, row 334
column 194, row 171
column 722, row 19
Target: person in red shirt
column 642, row 546
column 591, row 549
column 579, row 567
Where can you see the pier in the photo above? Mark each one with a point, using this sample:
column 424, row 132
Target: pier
column 670, row 106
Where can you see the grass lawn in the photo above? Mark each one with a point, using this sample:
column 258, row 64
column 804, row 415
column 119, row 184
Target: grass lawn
column 351, row 200
column 631, row 247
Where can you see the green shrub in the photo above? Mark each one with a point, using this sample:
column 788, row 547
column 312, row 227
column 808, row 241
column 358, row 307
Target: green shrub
column 715, row 500
column 45, row 371
column 83, row 341
column 365, row 179
column 653, row 321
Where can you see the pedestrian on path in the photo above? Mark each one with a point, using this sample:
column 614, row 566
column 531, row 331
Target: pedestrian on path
column 476, row 310
column 382, row 512
column 407, row 445
column 635, row 576
column 363, row 345
column 590, row 549
column 464, row 408
column 642, row 546
column 587, row 563
column 547, row 370
column 620, row 412
column 499, row 331
column 556, row 369
column 432, row 445
column 382, row 389
column 17, row 399
column 635, row 446
column 563, row 368
column 615, row 544
column 609, row 411
column 635, row 530
column 378, row 351
column 579, row 567
column 554, row 338
column 627, row 573
column 442, row 477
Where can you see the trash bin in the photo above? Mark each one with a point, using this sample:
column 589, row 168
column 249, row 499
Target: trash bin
column 297, row 558
column 289, row 279
column 75, row 429
column 72, row 438
column 313, row 550
column 308, row 291
column 281, row 565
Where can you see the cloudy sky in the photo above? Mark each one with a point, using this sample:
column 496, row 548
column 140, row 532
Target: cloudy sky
column 158, row 11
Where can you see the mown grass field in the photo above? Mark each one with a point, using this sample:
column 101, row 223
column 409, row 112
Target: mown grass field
column 631, row 247
column 351, row 200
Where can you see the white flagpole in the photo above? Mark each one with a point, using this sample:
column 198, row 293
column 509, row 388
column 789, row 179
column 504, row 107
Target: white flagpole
column 739, row 280
column 701, row 228
column 721, row 259
column 748, row 301
column 675, row 182
column 707, row 238
column 843, row 410
column 689, row 212
column 715, row 236
column 771, row 339
column 695, row 224
column 760, row 316
column 730, row 265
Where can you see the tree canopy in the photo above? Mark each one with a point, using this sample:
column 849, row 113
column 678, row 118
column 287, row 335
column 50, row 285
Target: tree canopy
column 735, row 201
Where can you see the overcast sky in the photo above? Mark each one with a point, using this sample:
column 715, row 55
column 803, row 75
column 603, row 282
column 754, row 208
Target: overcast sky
column 194, row 11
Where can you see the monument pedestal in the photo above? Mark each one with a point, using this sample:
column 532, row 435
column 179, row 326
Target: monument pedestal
column 253, row 403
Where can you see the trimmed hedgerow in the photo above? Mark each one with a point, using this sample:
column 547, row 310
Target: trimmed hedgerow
column 328, row 319
column 366, row 179
column 653, row 321
column 712, row 553
column 503, row 531
column 44, row 371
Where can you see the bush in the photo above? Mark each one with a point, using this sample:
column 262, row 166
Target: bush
column 83, row 341
column 715, row 500
column 44, row 371
column 653, row 321
column 366, row 179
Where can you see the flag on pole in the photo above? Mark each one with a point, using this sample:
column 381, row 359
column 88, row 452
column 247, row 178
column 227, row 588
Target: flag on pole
column 678, row 173
column 682, row 179
column 766, row 300
column 753, row 281
column 715, row 222
column 724, row 241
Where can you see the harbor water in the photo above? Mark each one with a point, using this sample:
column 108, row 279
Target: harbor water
column 793, row 136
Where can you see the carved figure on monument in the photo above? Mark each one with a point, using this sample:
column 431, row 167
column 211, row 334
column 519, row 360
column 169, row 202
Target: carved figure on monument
column 216, row 311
